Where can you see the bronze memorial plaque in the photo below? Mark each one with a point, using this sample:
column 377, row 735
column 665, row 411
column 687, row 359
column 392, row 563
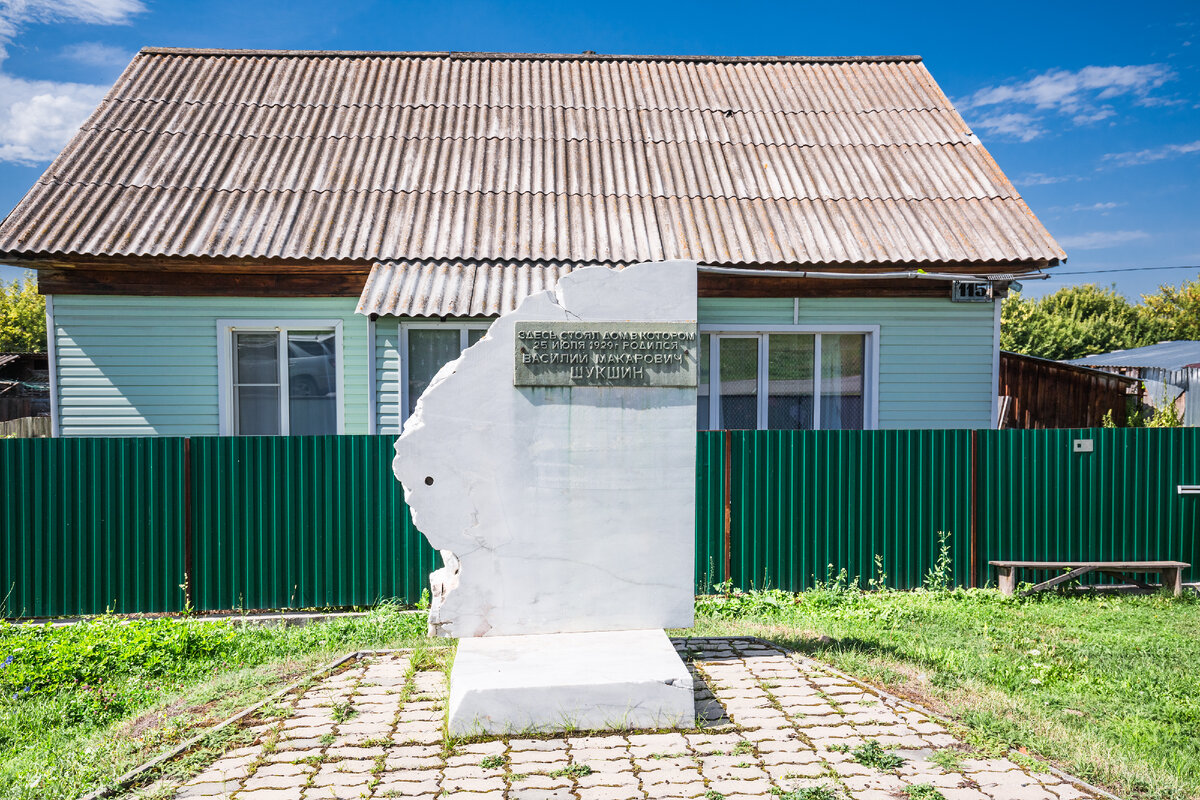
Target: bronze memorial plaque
column 651, row 354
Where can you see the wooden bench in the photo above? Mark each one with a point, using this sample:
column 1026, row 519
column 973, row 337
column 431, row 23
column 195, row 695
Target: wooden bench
column 1171, row 571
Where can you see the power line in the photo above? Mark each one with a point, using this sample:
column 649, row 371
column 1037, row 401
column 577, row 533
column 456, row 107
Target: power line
column 1056, row 273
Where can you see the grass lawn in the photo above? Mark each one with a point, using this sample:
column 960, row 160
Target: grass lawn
column 1107, row 688
column 82, row 704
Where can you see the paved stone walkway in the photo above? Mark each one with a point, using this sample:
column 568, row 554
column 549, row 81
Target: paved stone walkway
column 783, row 726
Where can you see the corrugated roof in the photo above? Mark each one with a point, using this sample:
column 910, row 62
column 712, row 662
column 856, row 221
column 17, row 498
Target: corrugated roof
column 526, row 158
column 454, row 288
column 1164, row 355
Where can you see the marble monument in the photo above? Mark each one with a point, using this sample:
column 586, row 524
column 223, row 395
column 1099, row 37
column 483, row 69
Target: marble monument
column 553, row 466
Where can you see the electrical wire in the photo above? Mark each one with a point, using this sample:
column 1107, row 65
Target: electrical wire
column 1056, row 273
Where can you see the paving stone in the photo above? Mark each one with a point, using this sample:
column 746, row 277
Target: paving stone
column 749, row 681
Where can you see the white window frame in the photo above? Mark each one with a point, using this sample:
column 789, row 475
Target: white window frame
column 225, row 360
column 870, row 367
column 463, row 326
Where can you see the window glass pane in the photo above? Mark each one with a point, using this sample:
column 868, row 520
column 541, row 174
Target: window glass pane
column 257, row 410
column 474, row 335
column 842, row 357
column 703, row 422
column 312, row 383
column 256, row 383
column 739, row 382
column 428, row 351
column 790, row 381
column 257, row 357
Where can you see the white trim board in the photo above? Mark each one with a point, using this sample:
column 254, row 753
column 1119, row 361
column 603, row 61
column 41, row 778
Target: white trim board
column 225, row 329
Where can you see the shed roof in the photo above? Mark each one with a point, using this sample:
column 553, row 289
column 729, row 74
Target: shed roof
column 530, row 158
column 1164, row 355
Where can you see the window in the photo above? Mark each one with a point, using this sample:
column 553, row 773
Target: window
column 281, row 379
column 785, row 380
column 430, row 346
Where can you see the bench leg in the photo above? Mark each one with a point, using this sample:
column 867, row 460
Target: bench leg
column 1173, row 580
column 1008, row 581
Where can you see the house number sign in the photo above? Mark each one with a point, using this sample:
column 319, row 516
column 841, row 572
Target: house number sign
column 652, row 354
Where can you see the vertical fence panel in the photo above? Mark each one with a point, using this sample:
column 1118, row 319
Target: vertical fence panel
column 90, row 525
column 302, row 522
column 808, row 502
column 710, row 509
column 1041, row 501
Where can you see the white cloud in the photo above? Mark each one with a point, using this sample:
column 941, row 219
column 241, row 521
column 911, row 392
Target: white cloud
column 1074, row 92
column 1152, row 154
column 1018, row 126
column 1099, row 240
column 97, row 54
column 37, row 118
column 1077, row 207
column 1042, row 179
column 1079, row 94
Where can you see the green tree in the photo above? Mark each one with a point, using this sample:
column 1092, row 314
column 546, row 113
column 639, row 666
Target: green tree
column 1175, row 311
column 22, row 317
column 1073, row 322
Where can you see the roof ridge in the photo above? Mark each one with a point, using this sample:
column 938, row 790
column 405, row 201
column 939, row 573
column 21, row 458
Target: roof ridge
column 482, row 55
column 866, row 198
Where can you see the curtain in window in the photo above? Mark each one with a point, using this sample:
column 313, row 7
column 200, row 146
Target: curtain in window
column 429, row 349
column 842, row 359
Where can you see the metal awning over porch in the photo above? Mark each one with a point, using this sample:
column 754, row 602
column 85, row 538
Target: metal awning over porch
column 454, row 288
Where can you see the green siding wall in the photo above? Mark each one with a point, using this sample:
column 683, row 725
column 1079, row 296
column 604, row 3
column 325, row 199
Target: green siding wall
column 935, row 357
column 130, row 366
column 148, row 365
column 387, row 375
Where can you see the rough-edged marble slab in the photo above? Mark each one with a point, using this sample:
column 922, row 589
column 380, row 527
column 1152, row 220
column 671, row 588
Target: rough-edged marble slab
column 558, row 509
column 569, row 681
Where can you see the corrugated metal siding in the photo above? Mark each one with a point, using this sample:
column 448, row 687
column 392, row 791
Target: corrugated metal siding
column 559, row 160
column 805, row 503
column 1045, row 502
column 935, row 356
column 130, row 366
column 89, row 525
column 710, row 510
column 302, row 522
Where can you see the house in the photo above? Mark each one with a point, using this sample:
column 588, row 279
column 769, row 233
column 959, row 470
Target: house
column 1169, row 372
column 251, row 242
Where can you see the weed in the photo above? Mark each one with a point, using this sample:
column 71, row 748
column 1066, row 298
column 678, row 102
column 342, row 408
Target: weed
column 941, row 575
column 839, row 748
column 572, row 771
column 819, row 792
column 713, row 794
column 923, row 791
column 492, row 762
column 948, row 759
column 871, row 754
column 742, row 748
column 327, row 739
column 343, row 711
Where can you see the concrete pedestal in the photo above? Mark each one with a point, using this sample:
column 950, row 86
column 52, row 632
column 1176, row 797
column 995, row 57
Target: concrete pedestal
column 580, row 681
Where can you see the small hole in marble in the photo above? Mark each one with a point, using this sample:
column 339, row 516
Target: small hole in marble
column 428, row 481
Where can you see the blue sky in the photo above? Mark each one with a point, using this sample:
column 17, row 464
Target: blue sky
column 1092, row 109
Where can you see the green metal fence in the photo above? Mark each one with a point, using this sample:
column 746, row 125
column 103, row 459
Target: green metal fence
column 88, row 525
column 301, row 522
column 805, row 504
column 1045, row 502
